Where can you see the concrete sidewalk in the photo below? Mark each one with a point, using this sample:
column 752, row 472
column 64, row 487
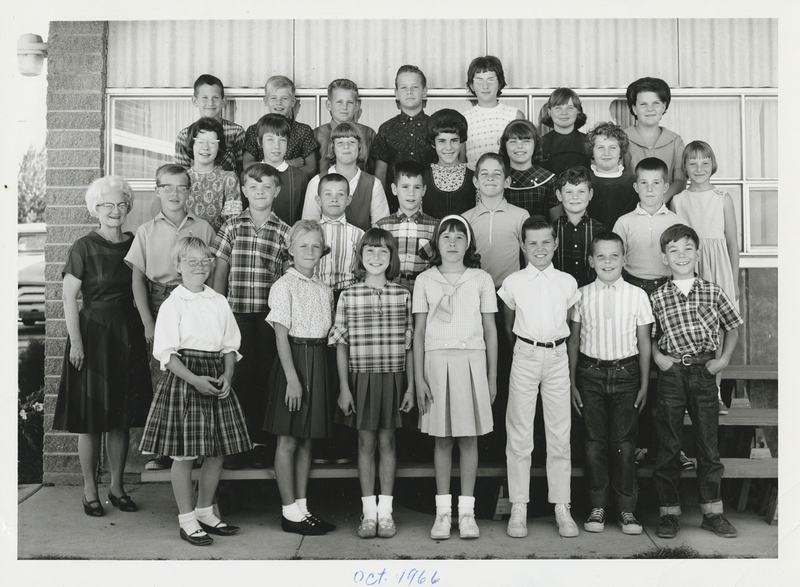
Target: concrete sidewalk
column 52, row 525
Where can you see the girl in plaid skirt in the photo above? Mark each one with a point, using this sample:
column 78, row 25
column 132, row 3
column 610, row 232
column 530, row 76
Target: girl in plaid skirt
column 194, row 410
column 372, row 333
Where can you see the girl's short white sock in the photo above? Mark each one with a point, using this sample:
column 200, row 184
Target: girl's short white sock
column 206, row 515
column 369, row 506
column 444, row 504
column 384, row 506
column 292, row 513
column 466, row 505
column 303, row 505
column 189, row 523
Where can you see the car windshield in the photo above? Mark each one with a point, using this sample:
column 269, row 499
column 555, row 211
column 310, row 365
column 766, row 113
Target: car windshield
column 31, row 243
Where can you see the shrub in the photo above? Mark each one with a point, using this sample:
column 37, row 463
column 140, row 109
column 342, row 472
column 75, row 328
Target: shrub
column 30, row 413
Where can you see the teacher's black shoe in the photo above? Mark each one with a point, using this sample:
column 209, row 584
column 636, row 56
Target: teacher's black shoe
column 195, row 540
column 124, row 503
column 95, row 511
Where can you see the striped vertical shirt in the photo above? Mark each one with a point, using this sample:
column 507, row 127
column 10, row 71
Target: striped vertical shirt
column 575, row 247
column 337, row 268
column 609, row 316
column 413, row 235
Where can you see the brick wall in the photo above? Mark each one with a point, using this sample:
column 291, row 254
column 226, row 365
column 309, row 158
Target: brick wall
column 76, row 83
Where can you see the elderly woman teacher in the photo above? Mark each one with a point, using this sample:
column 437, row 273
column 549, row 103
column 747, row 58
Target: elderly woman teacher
column 105, row 384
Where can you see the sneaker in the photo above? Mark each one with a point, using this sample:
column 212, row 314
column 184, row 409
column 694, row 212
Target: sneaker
column 639, row 455
column 566, row 525
column 723, row 409
column 718, row 525
column 685, row 463
column 518, row 522
column 386, row 527
column 441, row 527
column 629, row 524
column 468, row 527
column 668, row 526
column 596, row 522
column 368, row 528
column 158, row 463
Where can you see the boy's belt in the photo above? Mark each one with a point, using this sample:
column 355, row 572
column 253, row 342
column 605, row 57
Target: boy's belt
column 639, row 282
column 308, row 341
column 600, row 364
column 547, row 345
column 157, row 288
column 698, row 359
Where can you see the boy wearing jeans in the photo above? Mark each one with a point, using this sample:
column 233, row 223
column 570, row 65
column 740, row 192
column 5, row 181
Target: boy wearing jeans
column 609, row 361
column 689, row 313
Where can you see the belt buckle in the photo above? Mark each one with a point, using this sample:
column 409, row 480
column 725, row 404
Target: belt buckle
column 683, row 360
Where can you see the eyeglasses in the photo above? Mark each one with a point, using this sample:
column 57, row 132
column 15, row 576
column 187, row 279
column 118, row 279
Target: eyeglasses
column 171, row 189
column 205, row 263
column 109, row 207
column 206, row 143
column 484, row 82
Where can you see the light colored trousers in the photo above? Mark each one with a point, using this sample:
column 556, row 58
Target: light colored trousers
column 534, row 366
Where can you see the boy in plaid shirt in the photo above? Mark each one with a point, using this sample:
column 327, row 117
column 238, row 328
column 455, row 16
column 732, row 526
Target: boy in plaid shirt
column 411, row 228
column 249, row 250
column 689, row 313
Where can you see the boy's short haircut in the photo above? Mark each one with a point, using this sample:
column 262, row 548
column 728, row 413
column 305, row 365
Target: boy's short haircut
column 496, row 157
column 608, row 130
column 652, row 164
column 448, row 121
column 609, row 236
column 276, row 82
column 675, row 233
column 378, row 237
column 699, row 150
column 342, row 84
column 536, row 222
column 521, row 129
column 411, row 69
column 172, row 169
column 483, row 64
column 575, row 175
column 330, row 178
column 273, row 124
column 559, row 97
column 259, row 171
column 345, row 130
column 189, row 244
column 207, row 79
column 207, row 124
column 409, row 169
column 648, row 84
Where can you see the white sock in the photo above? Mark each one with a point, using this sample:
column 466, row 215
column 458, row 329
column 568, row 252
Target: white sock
column 369, row 507
column 444, row 504
column 303, row 505
column 206, row 515
column 189, row 524
column 292, row 513
column 385, row 506
column 466, row 505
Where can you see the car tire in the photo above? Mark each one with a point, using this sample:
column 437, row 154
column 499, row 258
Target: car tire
column 28, row 322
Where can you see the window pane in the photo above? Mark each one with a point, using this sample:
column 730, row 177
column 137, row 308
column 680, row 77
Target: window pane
column 735, row 192
column 763, row 218
column 761, row 127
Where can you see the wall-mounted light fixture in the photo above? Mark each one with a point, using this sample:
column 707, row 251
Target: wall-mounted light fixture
column 31, row 52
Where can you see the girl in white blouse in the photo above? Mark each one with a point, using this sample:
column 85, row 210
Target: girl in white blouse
column 194, row 410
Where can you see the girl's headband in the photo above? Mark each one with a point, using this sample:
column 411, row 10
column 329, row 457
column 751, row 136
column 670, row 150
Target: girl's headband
column 460, row 219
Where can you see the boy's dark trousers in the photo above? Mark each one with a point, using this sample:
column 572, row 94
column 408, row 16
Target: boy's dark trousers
column 608, row 390
column 258, row 350
column 687, row 387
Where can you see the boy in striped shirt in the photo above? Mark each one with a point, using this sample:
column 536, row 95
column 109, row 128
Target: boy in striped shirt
column 609, row 360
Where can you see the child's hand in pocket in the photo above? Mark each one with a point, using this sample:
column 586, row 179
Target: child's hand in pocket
column 663, row 361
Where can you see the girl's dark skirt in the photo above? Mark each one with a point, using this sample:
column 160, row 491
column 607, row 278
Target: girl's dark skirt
column 314, row 419
column 377, row 397
column 184, row 422
column 113, row 389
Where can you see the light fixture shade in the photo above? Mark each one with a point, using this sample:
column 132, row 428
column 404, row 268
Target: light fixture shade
column 31, row 52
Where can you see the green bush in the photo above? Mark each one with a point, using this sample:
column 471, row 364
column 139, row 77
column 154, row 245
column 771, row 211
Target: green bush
column 30, row 413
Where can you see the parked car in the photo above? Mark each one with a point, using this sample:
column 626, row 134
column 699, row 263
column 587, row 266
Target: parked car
column 30, row 272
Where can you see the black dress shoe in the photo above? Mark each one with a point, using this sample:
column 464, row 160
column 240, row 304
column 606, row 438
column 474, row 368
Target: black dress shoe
column 202, row 540
column 234, row 462
column 227, row 530
column 95, row 511
column 124, row 503
column 260, row 457
column 326, row 526
column 306, row 527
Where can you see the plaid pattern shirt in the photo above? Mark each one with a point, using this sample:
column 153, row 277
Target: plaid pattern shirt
column 413, row 235
column 575, row 247
column 337, row 269
column 377, row 325
column 255, row 256
column 301, row 141
column 690, row 324
column 533, row 189
column 234, row 144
